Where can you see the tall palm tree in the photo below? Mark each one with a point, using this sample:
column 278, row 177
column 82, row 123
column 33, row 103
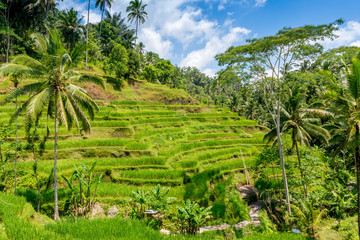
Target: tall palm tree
column 102, row 4
column 54, row 92
column 303, row 123
column 119, row 27
column 15, row 81
column 87, row 35
column 43, row 4
column 136, row 10
column 346, row 104
column 141, row 48
column 70, row 27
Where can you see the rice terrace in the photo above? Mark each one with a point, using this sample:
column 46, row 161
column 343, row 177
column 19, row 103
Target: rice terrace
column 156, row 119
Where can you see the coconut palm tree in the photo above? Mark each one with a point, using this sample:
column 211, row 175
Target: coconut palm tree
column 87, row 35
column 54, row 92
column 15, row 81
column 43, row 4
column 303, row 123
column 346, row 104
column 102, row 4
column 70, row 27
column 136, row 11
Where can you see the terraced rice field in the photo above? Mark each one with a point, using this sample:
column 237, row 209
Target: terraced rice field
column 139, row 144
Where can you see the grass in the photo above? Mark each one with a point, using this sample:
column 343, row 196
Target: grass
column 151, row 174
column 147, row 134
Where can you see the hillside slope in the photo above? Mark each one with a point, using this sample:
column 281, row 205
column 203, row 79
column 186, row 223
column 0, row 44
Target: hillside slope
column 141, row 143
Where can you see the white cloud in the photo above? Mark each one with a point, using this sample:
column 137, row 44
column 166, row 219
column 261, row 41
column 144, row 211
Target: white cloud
column 77, row 5
column 153, row 42
column 173, row 28
column 210, row 72
column 348, row 35
column 260, row 3
column 202, row 57
column 356, row 44
column 189, row 28
column 93, row 16
column 221, row 7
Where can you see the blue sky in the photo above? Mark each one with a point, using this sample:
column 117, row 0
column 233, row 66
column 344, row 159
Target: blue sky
column 192, row 32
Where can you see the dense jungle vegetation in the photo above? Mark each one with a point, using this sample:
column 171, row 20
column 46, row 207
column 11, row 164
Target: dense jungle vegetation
column 102, row 139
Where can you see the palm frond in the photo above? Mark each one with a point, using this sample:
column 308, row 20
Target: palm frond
column 15, row 69
column 70, row 111
column 317, row 112
column 317, row 131
column 61, row 109
column 80, row 114
column 39, row 101
column 30, row 62
column 34, row 87
column 270, row 136
column 82, row 98
column 22, row 108
column 87, row 78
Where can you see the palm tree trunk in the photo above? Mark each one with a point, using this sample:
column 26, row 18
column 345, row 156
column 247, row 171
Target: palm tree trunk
column 281, row 154
column 16, row 142
column 56, row 207
column 87, row 35
column 137, row 25
column 8, row 32
column 301, row 170
column 102, row 13
column 357, row 165
column 47, row 11
column 39, row 192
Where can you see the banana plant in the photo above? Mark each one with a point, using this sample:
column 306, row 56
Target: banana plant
column 81, row 197
column 308, row 217
column 191, row 216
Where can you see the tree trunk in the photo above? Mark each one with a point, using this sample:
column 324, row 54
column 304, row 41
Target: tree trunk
column 281, row 155
column 137, row 25
column 357, row 164
column 16, row 142
column 301, row 170
column 102, row 13
column 87, row 35
column 8, row 33
column 47, row 12
column 37, row 181
column 39, row 192
column 56, row 207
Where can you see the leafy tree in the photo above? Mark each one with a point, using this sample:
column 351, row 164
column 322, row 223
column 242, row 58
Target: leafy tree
column 164, row 68
column 346, row 104
column 150, row 73
column 152, row 58
column 278, row 54
column 54, row 91
column 134, row 63
column 103, row 4
column 94, row 49
column 302, row 123
column 136, row 10
column 117, row 62
column 70, row 27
